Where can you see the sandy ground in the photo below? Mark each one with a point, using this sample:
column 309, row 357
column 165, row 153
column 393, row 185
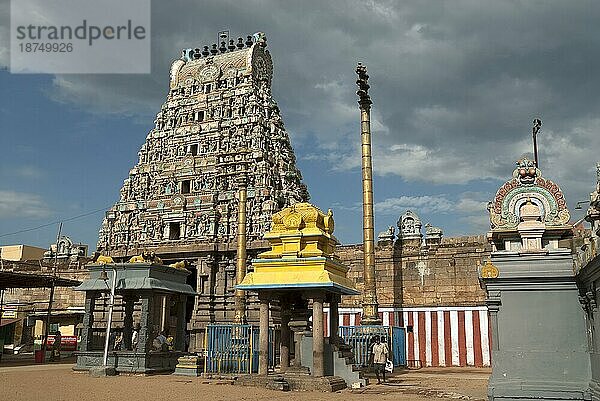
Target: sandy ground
column 57, row 382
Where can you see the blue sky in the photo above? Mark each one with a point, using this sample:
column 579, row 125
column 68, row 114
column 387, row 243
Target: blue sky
column 455, row 86
column 63, row 161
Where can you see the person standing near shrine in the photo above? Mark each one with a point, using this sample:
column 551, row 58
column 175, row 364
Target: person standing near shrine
column 135, row 337
column 379, row 353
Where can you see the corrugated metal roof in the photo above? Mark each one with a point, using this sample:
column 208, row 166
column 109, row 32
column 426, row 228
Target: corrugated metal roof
column 11, row 279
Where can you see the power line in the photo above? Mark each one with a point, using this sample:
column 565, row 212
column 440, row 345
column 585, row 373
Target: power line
column 55, row 222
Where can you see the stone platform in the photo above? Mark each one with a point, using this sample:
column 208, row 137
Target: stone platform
column 294, row 382
column 129, row 362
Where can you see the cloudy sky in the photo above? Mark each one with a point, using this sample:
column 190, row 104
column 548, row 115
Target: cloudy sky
column 455, row 86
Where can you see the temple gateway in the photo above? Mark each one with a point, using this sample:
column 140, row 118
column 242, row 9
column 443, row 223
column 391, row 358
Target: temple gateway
column 218, row 126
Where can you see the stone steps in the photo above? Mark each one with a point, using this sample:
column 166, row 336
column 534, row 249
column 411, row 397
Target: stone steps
column 353, row 376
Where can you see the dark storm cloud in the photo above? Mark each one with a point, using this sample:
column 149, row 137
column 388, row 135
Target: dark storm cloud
column 455, row 84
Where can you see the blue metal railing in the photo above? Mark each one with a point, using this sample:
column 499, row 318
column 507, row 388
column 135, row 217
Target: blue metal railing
column 360, row 338
column 233, row 348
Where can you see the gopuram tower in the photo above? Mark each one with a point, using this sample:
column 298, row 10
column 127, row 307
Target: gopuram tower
column 219, row 128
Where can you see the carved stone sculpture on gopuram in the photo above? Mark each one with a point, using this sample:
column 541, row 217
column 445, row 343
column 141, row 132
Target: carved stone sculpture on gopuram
column 218, row 124
column 528, row 183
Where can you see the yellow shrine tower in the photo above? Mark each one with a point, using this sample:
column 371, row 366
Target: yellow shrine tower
column 301, row 269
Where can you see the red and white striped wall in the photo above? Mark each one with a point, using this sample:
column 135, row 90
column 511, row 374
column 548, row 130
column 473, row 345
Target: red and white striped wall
column 441, row 336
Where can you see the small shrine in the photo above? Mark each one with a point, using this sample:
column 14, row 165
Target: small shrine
column 66, row 251
column 529, row 213
column 152, row 299
column 299, row 271
column 538, row 346
column 409, row 226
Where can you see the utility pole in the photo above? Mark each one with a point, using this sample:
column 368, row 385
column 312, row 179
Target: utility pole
column 51, row 299
column 370, row 315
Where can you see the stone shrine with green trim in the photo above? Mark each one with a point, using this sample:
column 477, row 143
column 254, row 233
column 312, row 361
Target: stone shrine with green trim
column 537, row 324
column 160, row 293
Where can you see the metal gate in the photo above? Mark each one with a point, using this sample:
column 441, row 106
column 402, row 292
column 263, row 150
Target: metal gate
column 398, row 346
column 361, row 340
column 233, row 348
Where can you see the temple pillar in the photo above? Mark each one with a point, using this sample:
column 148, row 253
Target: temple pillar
column 88, row 320
column 493, row 303
column 128, row 321
column 334, row 319
column 297, row 347
column 298, row 324
column 263, row 336
column 284, row 349
column 164, row 312
column 212, row 271
column 181, row 323
column 146, row 321
column 318, row 337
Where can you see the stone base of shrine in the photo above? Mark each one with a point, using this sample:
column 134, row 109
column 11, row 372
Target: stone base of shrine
column 297, row 370
column 128, row 362
column 189, row 365
column 294, row 382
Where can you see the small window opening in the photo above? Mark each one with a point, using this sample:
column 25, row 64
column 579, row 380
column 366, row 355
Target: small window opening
column 174, row 231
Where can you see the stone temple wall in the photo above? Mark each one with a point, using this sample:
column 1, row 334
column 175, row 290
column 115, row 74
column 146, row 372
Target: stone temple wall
column 429, row 285
column 440, row 275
